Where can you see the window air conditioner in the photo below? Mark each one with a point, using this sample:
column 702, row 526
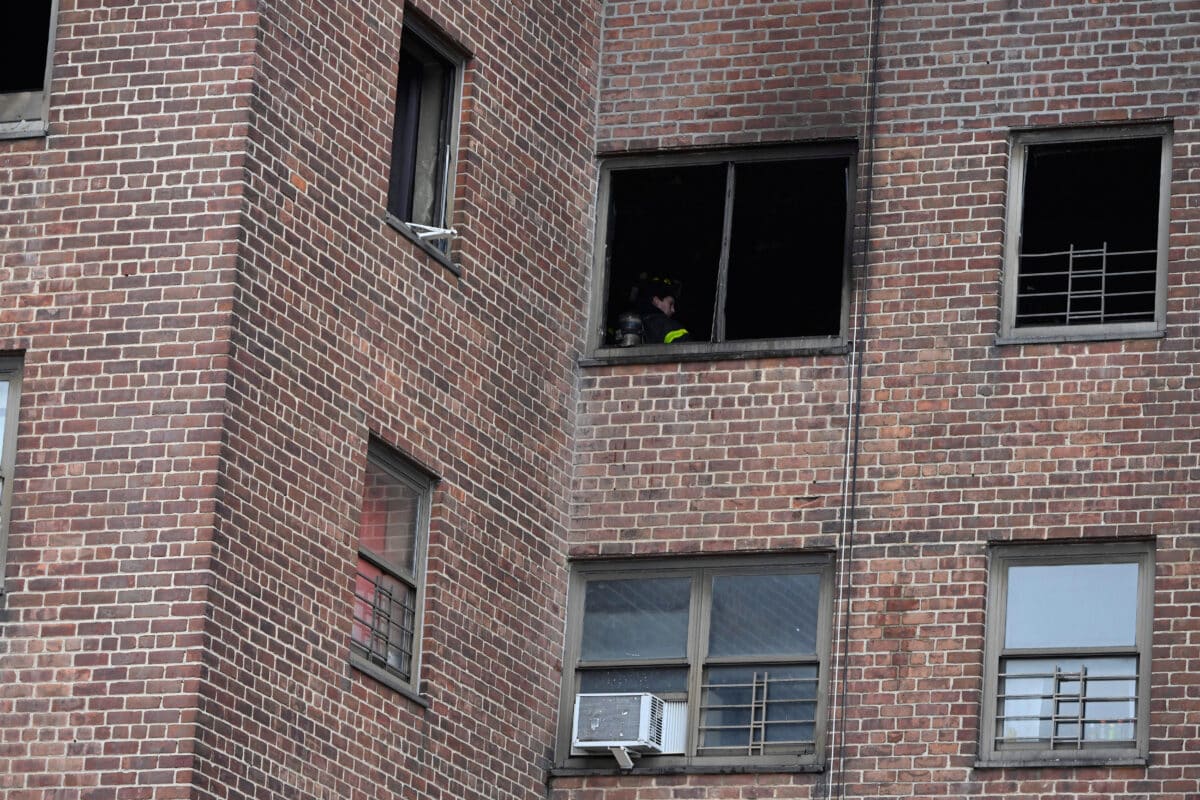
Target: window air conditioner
column 631, row 721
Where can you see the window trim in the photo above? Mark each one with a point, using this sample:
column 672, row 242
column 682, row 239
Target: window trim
column 599, row 353
column 1019, row 143
column 408, row 473
column 430, row 37
column 25, row 115
column 1001, row 557
column 701, row 570
column 11, row 369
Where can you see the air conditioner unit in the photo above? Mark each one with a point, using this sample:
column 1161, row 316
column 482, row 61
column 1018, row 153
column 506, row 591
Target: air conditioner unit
column 632, row 721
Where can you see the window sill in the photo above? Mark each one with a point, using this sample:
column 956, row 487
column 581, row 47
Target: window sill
column 387, row 679
column 709, row 351
column 437, row 255
column 1089, row 333
column 23, row 129
column 999, row 762
column 707, row 769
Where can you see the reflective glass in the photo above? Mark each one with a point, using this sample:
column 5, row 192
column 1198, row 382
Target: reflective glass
column 3, row 412
column 637, row 618
column 782, row 697
column 388, row 527
column 763, row 615
column 1071, row 605
column 1039, row 704
column 656, row 681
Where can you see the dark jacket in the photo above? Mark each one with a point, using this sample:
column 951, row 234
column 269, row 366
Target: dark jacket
column 658, row 328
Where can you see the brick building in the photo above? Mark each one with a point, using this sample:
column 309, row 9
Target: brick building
column 326, row 473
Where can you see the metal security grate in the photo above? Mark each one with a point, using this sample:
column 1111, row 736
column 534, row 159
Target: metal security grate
column 384, row 618
column 1080, row 710
column 1086, row 287
column 762, row 712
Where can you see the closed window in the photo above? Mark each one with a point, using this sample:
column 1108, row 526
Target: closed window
column 737, row 650
column 752, row 245
column 1068, row 653
column 391, row 556
column 424, row 135
column 1086, row 250
column 10, row 397
column 25, row 67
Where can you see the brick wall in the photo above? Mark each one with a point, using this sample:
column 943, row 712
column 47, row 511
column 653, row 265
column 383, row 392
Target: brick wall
column 964, row 441
column 119, row 234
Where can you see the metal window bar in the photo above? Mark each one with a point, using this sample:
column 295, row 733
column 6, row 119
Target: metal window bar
column 1076, row 721
column 757, row 726
column 388, row 639
column 1088, row 294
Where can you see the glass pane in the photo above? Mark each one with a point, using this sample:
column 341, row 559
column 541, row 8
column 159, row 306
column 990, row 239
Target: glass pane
column 389, row 518
column 745, row 709
column 1071, row 605
column 384, row 620
column 1067, row 702
column 643, row 618
column 761, row 615
column 655, row 681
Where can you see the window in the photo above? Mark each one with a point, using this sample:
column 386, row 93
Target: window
column 1086, row 251
column 10, row 397
column 756, row 242
column 25, row 68
column 737, row 649
column 391, row 560
column 424, row 136
column 1068, row 658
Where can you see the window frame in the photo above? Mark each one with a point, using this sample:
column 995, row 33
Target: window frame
column 26, row 114
column 1019, row 144
column 456, row 59
column 1004, row 556
column 600, row 353
column 701, row 571
column 11, row 369
column 404, row 471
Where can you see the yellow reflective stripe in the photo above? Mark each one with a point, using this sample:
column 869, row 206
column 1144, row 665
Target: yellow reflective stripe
column 673, row 335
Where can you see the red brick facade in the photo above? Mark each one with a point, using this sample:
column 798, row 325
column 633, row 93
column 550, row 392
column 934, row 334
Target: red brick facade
column 214, row 318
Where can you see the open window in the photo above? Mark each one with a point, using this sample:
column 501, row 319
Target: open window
column 389, row 587
column 1086, row 251
column 25, row 67
column 1068, row 654
column 755, row 243
column 424, row 136
column 736, row 650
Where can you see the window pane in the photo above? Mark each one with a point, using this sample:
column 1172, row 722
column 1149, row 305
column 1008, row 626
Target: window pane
column 762, row 615
column 666, row 222
column 1071, row 605
column 787, row 249
column 1067, row 703
column 384, row 620
column 389, row 518
column 631, row 619
column 656, row 681
column 745, row 710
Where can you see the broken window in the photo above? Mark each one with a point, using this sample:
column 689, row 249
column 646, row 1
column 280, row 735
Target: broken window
column 755, row 244
column 1089, row 213
column 391, row 556
column 25, row 68
column 423, row 135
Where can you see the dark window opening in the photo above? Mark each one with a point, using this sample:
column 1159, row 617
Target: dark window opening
column 422, row 136
column 1089, row 233
column 23, row 57
column 757, row 249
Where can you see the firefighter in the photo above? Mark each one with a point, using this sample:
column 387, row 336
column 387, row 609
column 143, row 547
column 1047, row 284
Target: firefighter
column 657, row 297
